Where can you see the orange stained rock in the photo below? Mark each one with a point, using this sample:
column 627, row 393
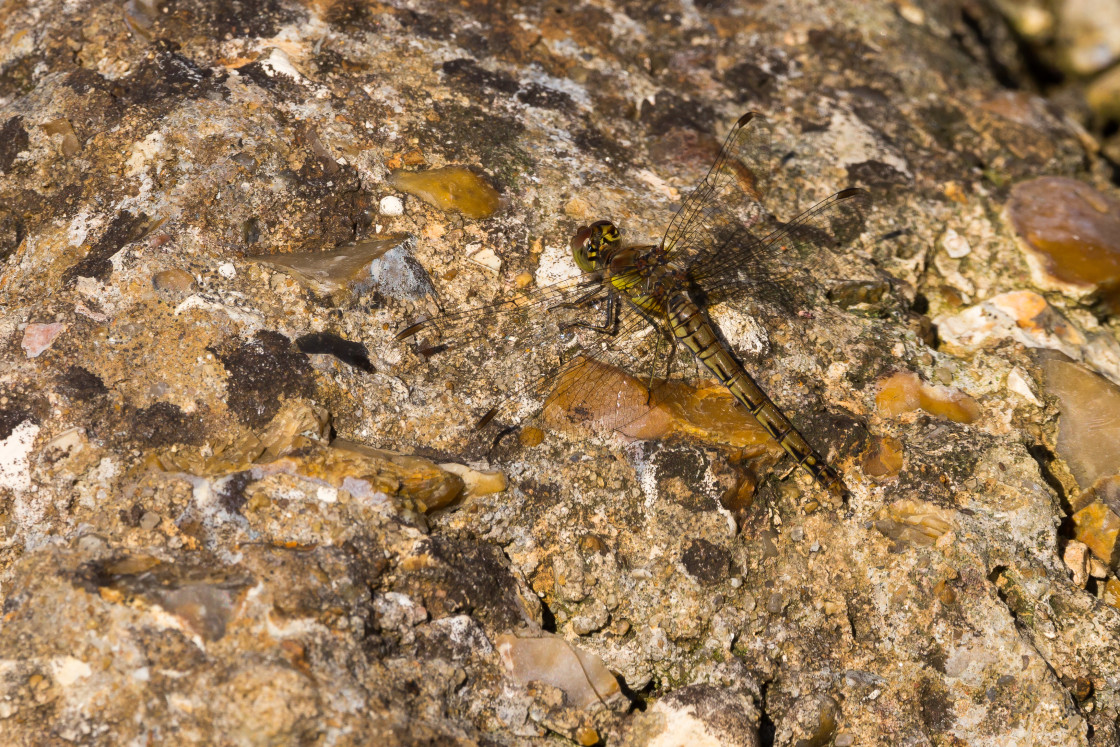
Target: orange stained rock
column 451, row 188
column 904, row 392
column 1097, row 526
column 1071, row 230
column 1111, row 592
column 884, row 460
column 619, row 401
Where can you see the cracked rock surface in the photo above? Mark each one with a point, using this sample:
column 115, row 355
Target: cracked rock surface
column 235, row 509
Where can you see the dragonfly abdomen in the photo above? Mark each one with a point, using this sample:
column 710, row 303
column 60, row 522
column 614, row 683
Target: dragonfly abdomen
column 693, row 329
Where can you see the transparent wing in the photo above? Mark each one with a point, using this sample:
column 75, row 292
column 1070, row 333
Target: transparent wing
column 739, row 177
column 508, row 357
column 731, row 260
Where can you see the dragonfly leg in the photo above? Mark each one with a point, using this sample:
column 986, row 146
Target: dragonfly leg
column 609, row 326
column 663, row 335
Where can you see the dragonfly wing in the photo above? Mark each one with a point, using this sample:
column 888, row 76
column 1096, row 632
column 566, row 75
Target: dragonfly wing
column 739, row 262
column 608, row 386
column 739, row 176
column 510, row 356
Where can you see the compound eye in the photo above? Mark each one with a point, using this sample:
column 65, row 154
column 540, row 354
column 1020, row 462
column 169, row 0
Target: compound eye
column 583, row 235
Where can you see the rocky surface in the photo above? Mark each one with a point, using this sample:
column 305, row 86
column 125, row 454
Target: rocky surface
column 234, row 509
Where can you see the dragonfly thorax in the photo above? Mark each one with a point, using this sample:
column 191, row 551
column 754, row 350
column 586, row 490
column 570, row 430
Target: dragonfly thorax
column 593, row 245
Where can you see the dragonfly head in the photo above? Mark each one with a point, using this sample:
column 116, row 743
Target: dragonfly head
column 591, row 243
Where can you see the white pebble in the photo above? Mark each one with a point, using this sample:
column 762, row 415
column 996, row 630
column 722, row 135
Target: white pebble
column 956, row 246
column 227, row 270
column 391, row 205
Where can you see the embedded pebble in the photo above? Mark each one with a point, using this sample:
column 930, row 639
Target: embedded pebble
column 227, row 270
column 173, row 281
column 39, row 337
column 1097, row 526
column 913, row 522
column 391, row 205
column 349, row 271
column 1022, row 316
column 477, row 482
column 956, row 246
column 1076, row 558
column 699, row 715
column 550, row 659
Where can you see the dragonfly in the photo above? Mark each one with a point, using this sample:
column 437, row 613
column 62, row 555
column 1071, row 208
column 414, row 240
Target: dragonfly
column 633, row 307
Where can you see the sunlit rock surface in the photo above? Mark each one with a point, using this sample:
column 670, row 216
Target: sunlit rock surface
column 193, row 552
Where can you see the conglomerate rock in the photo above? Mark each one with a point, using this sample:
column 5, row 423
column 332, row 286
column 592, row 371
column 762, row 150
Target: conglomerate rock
column 189, row 190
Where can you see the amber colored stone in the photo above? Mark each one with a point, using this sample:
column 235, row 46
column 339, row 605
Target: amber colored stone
column 1097, row 526
column 884, row 460
column 623, row 402
column 452, row 188
column 1070, row 230
column 62, row 127
column 904, row 392
column 949, row 403
column 587, row 736
column 898, row 394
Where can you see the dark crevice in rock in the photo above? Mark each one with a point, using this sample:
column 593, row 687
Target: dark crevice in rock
column 1045, row 458
column 548, row 620
column 981, row 36
column 767, row 730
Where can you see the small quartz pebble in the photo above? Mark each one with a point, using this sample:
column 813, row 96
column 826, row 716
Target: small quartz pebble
column 914, row 522
column 39, row 337
column 956, row 246
column 484, row 256
column 452, row 188
column 391, row 205
column 349, row 271
column 227, row 270
column 698, row 716
column 149, row 521
column 1070, row 233
column 1017, row 382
